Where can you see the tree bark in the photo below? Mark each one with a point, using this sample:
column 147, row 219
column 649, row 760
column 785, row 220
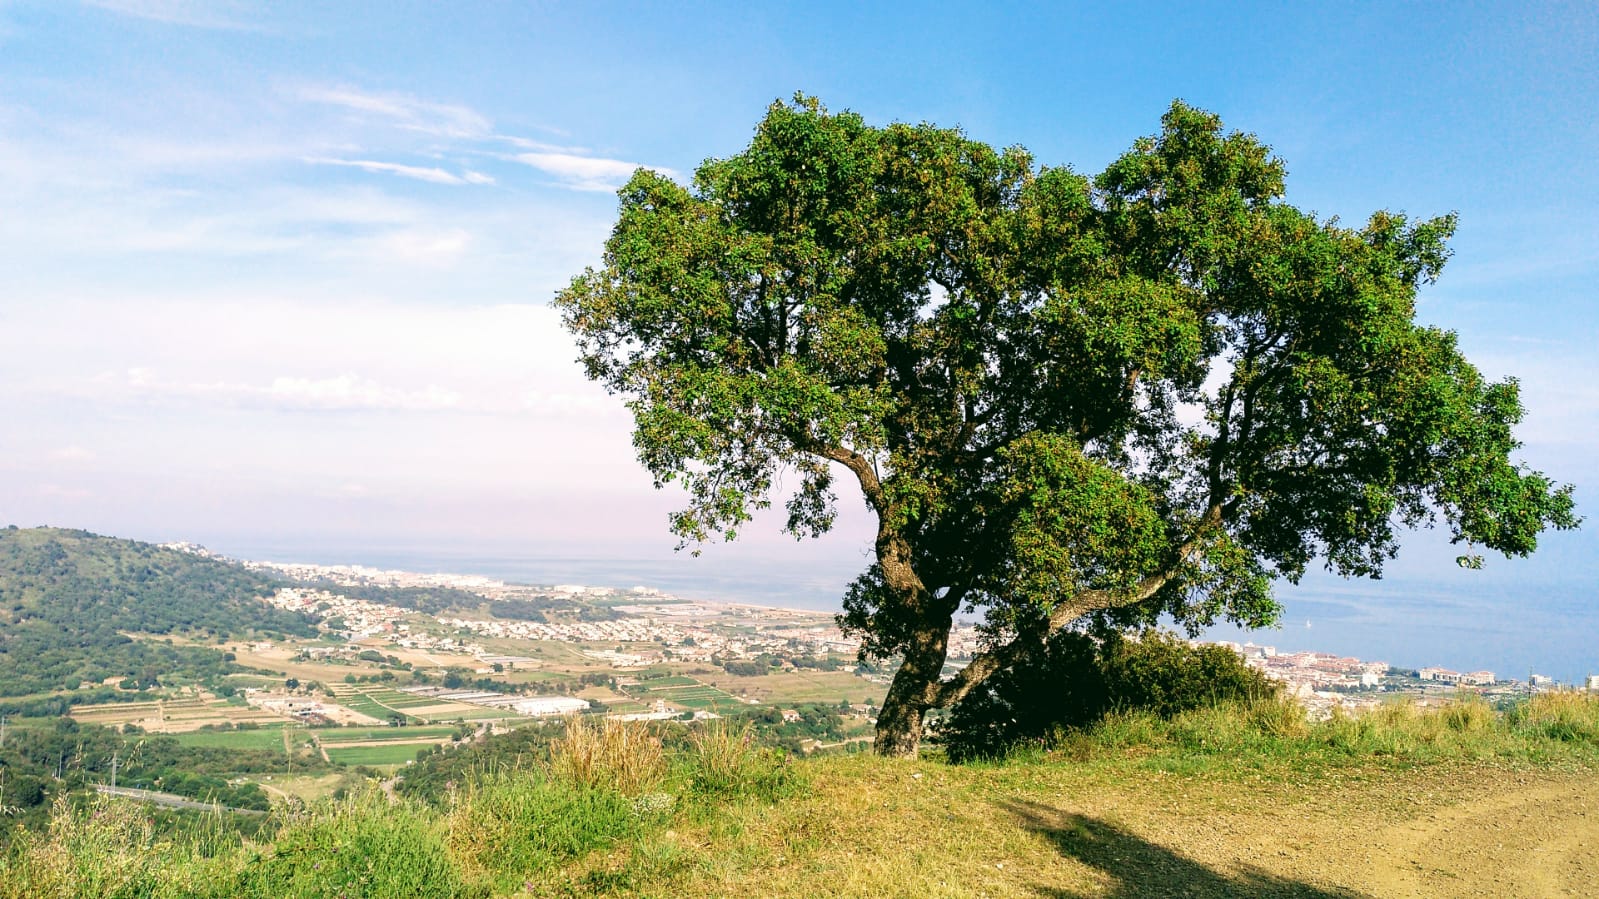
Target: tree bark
column 911, row 694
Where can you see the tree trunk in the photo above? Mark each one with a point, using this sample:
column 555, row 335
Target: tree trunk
column 910, row 695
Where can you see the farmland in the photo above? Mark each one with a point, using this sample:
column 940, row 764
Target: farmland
column 177, row 715
column 381, row 703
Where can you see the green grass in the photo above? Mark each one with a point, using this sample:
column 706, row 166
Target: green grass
column 671, row 680
column 331, row 737
column 1235, row 800
column 268, row 737
column 375, row 756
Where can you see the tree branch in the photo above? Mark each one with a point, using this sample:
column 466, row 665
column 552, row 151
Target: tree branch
column 986, row 664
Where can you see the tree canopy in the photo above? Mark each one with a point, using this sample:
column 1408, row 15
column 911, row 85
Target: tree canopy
column 1064, row 398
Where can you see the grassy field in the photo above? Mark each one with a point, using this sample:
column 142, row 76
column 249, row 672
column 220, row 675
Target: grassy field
column 254, row 738
column 682, row 691
column 177, row 715
column 375, row 756
column 382, row 702
column 1238, row 801
column 330, row 736
column 799, row 686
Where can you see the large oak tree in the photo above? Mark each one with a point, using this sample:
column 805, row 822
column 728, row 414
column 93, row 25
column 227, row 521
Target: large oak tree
column 1063, row 398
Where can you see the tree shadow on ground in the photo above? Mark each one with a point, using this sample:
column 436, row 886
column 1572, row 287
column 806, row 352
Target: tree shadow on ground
column 1139, row 868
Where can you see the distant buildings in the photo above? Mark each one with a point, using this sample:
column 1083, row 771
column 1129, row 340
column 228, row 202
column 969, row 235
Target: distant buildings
column 1474, row 678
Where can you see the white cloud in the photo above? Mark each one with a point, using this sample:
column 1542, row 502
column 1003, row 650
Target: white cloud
column 431, row 175
column 344, row 392
column 221, row 15
column 585, row 172
column 404, row 111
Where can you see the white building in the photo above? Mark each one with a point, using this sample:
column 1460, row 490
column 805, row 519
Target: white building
column 541, row 706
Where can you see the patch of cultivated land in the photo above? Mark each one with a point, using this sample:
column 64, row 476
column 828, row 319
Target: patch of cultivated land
column 869, row 827
column 798, row 686
column 174, row 715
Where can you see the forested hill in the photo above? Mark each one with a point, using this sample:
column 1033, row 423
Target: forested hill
column 69, row 599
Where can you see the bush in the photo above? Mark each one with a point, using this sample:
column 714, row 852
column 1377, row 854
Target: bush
column 1073, row 681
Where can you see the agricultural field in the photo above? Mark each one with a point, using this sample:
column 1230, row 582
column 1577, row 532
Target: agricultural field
column 683, row 692
column 378, row 756
column 330, row 737
column 171, row 716
column 382, row 702
column 799, row 686
column 270, row 737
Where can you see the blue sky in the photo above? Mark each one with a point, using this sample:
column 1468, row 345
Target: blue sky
column 279, row 273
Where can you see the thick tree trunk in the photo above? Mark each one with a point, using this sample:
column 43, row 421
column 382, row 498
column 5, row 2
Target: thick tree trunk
column 910, row 695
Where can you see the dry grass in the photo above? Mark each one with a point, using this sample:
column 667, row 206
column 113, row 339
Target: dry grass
column 610, row 753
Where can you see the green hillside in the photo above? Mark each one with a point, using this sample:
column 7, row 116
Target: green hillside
column 69, row 601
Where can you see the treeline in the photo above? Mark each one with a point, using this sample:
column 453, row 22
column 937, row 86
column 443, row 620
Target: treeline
column 69, row 599
column 38, row 763
column 766, row 663
column 549, row 609
column 427, row 600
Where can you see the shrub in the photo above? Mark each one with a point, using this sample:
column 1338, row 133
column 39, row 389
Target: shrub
column 1074, row 680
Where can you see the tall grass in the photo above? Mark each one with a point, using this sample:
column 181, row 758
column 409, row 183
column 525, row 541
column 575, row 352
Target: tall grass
column 601, row 813
column 1274, row 728
column 726, row 761
column 512, row 825
column 611, row 753
column 362, row 846
column 110, row 848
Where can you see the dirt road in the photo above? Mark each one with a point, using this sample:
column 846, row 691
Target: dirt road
column 1539, row 841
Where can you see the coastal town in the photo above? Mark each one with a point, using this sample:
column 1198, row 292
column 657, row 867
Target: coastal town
column 631, row 629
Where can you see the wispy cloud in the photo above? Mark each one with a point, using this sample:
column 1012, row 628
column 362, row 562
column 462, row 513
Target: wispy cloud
column 221, row 15
column 404, row 111
column 432, row 175
column 585, row 172
column 345, row 392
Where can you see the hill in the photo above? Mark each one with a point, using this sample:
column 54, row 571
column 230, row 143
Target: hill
column 76, row 607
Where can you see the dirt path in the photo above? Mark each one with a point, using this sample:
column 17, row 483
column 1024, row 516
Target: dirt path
column 1541, row 840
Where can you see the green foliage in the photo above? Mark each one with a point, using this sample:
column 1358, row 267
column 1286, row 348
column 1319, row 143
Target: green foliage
column 1074, row 681
column 1537, row 731
column 363, row 847
column 68, row 599
column 1146, row 392
column 523, row 822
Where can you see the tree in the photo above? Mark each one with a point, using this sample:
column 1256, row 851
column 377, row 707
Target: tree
column 1064, row 399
